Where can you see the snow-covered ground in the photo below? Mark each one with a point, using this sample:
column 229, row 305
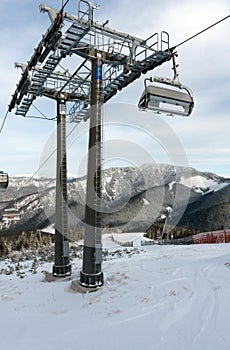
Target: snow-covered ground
column 202, row 185
column 158, row 298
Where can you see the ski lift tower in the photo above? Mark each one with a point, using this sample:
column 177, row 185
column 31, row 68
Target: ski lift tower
column 109, row 61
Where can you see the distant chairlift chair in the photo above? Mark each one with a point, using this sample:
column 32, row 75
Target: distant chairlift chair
column 4, row 180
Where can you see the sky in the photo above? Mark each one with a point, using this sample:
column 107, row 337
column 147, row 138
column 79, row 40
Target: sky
column 203, row 66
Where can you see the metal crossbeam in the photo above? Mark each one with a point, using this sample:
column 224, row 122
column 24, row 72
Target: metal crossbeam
column 125, row 58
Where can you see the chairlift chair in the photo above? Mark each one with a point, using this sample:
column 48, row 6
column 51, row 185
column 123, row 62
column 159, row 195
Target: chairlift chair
column 175, row 99
column 4, row 180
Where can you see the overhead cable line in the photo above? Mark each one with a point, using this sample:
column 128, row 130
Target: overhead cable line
column 202, row 31
column 3, row 122
column 52, row 153
column 48, row 158
column 63, row 6
column 43, row 115
column 37, row 117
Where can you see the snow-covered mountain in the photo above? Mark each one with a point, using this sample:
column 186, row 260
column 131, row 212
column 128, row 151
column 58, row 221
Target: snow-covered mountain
column 133, row 199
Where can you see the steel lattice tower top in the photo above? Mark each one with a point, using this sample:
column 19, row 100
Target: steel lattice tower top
column 125, row 58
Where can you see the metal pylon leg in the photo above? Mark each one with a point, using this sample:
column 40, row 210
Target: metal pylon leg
column 62, row 266
column 91, row 274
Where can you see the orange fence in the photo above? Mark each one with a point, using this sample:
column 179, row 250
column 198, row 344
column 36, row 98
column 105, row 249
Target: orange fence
column 221, row 236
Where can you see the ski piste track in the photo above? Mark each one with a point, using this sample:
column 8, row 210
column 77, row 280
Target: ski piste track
column 154, row 298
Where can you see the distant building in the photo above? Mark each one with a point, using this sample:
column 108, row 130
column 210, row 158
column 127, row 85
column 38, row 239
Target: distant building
column 11, row 214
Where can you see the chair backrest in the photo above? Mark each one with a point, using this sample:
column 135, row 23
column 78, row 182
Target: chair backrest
column 172, row 101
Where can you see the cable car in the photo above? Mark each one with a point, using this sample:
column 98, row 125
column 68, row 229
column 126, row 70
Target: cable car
column 4, row 180
column 175, row 99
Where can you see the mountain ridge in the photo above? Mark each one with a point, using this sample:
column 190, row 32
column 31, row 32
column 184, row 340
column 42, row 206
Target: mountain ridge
column 133, row 198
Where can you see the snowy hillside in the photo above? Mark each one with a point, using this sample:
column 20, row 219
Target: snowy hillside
column 156, row 298
column 133, row 198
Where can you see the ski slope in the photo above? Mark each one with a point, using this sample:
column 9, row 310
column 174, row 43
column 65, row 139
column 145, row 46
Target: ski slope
column 154, row 298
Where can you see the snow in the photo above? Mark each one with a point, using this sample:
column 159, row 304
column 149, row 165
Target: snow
column 160, row 297
column 200, row 183
column 83, row 184
column 49, row 229
column 135, row 237
column 171, row 184
column 145, row 202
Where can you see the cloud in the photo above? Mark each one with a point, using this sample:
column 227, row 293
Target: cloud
column 203, row 66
